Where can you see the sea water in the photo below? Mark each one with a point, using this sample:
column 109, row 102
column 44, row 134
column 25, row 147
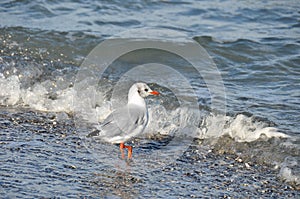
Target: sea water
column 249, row 150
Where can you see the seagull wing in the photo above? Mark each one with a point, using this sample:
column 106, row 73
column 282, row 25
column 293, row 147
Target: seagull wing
column 123, row 124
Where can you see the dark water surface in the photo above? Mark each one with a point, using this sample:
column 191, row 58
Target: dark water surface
column 256, row 47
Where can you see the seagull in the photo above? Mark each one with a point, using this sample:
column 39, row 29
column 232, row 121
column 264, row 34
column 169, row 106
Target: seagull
column 127, row 122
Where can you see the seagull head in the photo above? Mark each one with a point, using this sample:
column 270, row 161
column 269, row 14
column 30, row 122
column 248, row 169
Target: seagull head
column 144, row 90
column 140, row 90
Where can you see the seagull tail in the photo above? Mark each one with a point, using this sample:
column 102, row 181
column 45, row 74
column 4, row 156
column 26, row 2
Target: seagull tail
column 93, row 133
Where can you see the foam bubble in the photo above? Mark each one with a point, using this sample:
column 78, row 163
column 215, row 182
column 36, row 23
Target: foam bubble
column 35, row 97
column 241, row 128
column 64, row 101
column 9, row 90
column 288, row 171
column 161, row 120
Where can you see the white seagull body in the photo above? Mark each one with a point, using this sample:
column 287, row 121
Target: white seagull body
column 125, row 123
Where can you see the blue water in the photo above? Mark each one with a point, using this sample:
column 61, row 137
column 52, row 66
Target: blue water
column 255, row 46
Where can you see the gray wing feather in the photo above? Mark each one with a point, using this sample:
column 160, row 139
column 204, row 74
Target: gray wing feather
column 124, row 123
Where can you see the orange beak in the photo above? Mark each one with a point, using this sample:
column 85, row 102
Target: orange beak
column 154, row 93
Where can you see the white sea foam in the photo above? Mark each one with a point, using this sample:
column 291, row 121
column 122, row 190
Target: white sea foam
column 9, row 90
column 241, row 128
column 36, row 97
column 288, row 170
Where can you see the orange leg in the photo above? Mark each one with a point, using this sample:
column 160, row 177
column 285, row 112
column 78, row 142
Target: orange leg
column 129, row 151
column 122, row 150
column 122, row 146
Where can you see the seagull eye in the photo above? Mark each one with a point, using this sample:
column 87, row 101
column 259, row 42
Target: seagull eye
column 146, row 89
